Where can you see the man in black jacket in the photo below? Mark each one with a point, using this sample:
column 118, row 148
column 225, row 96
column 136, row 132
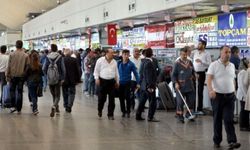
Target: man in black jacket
column 148, row 77
column 72, row 77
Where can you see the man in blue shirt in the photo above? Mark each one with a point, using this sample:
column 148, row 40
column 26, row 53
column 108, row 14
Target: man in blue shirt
column 125, row 68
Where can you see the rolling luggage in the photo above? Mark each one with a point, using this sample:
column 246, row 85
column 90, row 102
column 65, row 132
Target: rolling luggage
column 6, row 101
column 166, row 96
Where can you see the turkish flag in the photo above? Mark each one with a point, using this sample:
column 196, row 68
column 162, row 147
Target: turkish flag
column 112, row 36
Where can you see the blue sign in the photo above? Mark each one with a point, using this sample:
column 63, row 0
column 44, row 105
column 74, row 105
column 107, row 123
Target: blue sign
column 232, row 29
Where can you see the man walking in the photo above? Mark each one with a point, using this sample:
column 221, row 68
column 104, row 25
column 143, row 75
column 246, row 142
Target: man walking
column 55, row 70
column 16, row 71
column 221, row 87
column 107, row 78
column 126, row 67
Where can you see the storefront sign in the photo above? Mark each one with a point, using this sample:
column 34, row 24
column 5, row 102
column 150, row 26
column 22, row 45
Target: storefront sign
column 248, row 27
column 206, row 29
column 170, row 35
column 156, row 36
column 184, row 33
column 232, row 29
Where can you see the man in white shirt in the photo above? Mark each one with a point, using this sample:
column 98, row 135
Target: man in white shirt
column 4, row 59
column 136, row 59
column 221, row 87
column 107, row 78
column 201, row 61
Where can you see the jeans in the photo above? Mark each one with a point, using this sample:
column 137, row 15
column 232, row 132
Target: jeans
column 33, row 86
column 91, row 88
column 124, row 95
column 152, row 103
column 223, row 109
column 16, row 92
column 3, row 82
column 44, row 81
column 86, row 82
column 55, row 91
column 69, row 92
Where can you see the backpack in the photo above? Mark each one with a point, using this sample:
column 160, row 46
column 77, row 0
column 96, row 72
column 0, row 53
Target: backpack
column 53, row 73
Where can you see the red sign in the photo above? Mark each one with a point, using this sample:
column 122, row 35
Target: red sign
column 112, row 36
column 160, row 36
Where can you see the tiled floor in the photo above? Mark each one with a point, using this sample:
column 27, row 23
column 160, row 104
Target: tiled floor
column 83, row 130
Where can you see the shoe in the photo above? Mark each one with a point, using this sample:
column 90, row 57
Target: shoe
column 153, row 120
column 244, row 129
column 181, row 118
column 100, row 114
column 57, row 110
column 200, row 113
column 12, row 110
column 53, row 109
column 234, row 145
column 35, row 112
column 128, row 115
column 111, row 118
column 68, row 109
column 123, row 115
column 139, row 118
column 216, row 145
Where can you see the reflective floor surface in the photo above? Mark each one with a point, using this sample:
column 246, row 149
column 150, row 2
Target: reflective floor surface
column 83, row 130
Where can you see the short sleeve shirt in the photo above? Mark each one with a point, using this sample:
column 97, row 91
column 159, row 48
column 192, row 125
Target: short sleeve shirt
column 223, row 77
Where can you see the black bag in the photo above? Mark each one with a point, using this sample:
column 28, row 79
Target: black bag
column 166, row 96
column 39, row 91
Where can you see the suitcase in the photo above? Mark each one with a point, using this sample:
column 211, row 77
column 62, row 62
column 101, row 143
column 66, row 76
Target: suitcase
column 6, row 101
column 166, row 96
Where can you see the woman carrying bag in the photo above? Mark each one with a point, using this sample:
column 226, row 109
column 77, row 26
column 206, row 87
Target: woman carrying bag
column 34, row 79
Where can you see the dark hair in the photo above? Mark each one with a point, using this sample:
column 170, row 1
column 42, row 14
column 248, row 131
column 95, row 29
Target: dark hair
column 221, row 48
column 80, row 50
column 3, row 49
column 88, row 50
column 125, row 51
column 184, row 49
column 203, row 42
column 53, row 47
column 19, row 44
column 34, row 60
column 149, row 52
column 143, row 51
column 234, row 49
column 46, row 51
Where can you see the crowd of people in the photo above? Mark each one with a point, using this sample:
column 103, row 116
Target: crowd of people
column 107, row 73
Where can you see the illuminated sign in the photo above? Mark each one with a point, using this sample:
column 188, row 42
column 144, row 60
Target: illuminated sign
column 232, row 29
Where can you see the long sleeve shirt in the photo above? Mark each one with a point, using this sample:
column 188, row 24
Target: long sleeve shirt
column 106, row 70
column 205, row 61
column 125, row 70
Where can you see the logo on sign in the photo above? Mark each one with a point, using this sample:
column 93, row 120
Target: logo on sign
column 231, row 21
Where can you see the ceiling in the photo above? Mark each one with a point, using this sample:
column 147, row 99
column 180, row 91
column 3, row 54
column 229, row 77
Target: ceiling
column 14, row 12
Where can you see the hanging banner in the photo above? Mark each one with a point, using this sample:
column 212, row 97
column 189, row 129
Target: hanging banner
column 248, row 27
column 232, row 29
column 170, row 35
column 156, row 36
column 112, row 35
column 206, row 30
column 184, row 33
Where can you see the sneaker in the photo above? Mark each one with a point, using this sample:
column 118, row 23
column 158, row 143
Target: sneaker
column 100, row 114
column 139, row 118
column 53, row 109
column 234, row 145
column 153, row 120
column 35, row 112
column 216, row 145
column 12, row 110
column 123, row 115
column 57, row 110
column 181, row 118
column 200, row 113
